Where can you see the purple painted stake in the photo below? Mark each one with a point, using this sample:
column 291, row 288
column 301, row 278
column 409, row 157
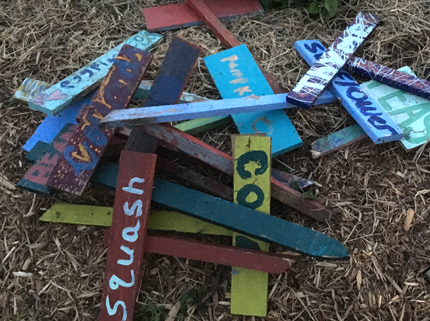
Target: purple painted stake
column 390, row 77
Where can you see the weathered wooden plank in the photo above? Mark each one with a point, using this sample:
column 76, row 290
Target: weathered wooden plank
column 52, row 125
column 252, row 172
column 236, row 75
column 127, row 236
column 180, row 15
column 36, row 178
column 227, row 39
column 391, row 77
column 76, row 166
column 217, row 254
column 264, row 227
column 410, row 112
column 102, row 216
column 367, row 113
column 78, row 84
column 313, row 83
column 30, row 88
column 192, row 178
column 171, row 78
column 337, row 140
column 224, row 107
column 223, row 162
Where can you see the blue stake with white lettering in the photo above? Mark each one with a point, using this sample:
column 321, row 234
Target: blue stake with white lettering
column 369, row 114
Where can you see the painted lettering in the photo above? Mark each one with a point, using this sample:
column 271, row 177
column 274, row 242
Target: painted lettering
column 130, row 211
column 69, row 151
column 266, row 122
column 112, row 311
column 115, row 282
column 257, row 156
column 130, row 234
column 129, row 252
column 231, row 58
column 248, row 190
column 243, row 90
column 131, row 189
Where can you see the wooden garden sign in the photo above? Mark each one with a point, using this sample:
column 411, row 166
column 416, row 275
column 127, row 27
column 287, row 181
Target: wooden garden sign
column 127, row 236
column 30, row 88
column 78, row 84
column 366, row 111
column 252, row 163
column 237, row 75
column 313, row 83
column 80, row 157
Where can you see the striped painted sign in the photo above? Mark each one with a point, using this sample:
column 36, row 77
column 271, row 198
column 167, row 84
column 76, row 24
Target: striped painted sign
column 313, row 83
column 367, row 113
column 59, row 96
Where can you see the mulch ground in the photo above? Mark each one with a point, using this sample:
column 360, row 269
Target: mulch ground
column 369, row 187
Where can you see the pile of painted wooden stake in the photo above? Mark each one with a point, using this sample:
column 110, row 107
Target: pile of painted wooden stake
column 88, row 119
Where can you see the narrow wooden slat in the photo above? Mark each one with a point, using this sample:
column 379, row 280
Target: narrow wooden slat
column 172, row 77
column 180, row 15
column 313, row 83
column 217, row 254
column 30, row 88
column 289, row 179
column 252, row 172
column 79, row 159
column 36, row 178
column 211, row 108
column 78, row 84
column 410, row 112
column 127, row 236
column 102, row 216
column 264, row 227
column 237, row 75
column 199, row 181
column 367, row 112
column 337, row 140
column 391, row 77
column 223, row 162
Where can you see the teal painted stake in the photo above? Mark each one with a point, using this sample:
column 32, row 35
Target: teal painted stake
column 236, row 75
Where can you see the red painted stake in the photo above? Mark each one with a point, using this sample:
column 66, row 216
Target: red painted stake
column 127, row 236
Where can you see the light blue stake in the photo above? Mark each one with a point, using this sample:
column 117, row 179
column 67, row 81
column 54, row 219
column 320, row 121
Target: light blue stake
column 59, row 96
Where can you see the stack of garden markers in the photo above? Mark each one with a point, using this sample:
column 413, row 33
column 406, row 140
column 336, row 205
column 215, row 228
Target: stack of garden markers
column 70, row 148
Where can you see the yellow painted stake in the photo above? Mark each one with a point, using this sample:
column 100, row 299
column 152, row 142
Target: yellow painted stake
column 252, row 168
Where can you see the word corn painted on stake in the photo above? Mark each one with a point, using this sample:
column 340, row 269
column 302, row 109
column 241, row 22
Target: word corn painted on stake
column 30, row 88
column 80, row 157
column 36, row 178
column 127, row 236
column 247, row 221
column 224, row 162
column 171, row 79
column 210, row 108
column 313, row 83
column 252, row 172
column 366, row 111
column 78, row 84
